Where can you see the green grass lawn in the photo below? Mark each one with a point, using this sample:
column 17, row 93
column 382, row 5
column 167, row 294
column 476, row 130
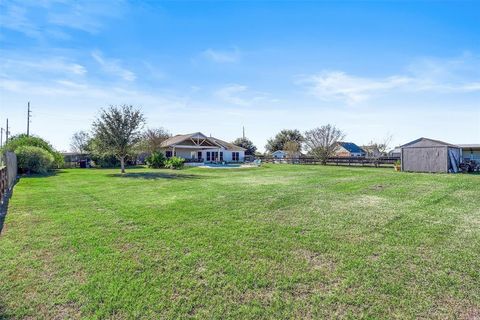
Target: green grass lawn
column 279, row 241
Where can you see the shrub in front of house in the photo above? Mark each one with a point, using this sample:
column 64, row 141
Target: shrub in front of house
column 31, row 159
column 174, row 163
column 156, row 160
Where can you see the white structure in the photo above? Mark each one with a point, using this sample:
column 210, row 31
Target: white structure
column 282, row 154
column 197, row 147
column 279, row 154
column 470, row 152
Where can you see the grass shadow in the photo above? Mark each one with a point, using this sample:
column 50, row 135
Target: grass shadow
column 50, row 173
column 4, row 210
column 156, row 175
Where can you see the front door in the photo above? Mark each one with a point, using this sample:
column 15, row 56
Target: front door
column 199, row 155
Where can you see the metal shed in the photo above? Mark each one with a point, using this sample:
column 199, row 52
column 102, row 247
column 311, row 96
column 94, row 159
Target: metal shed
column 428, row 155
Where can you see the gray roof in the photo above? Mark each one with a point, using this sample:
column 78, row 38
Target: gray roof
column 426, row 142
column 469, row 146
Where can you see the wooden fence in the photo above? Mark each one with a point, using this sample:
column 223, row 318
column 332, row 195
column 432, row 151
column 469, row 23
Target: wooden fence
column 339, row 161
column 8, row 174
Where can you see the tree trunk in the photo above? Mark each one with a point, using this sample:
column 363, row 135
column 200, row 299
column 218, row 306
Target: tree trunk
column 122, row 164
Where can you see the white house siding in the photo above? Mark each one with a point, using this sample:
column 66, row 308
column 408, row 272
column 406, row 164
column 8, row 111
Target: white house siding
column 193, row 154
column 279, row 154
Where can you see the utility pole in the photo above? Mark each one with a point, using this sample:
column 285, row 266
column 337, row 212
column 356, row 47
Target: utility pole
column 6, row 133
column 243, row 132
column 29, row 115
column 1, row 137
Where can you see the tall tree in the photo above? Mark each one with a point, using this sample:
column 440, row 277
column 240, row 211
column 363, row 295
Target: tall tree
column 117, row 130
column 278, row 142
column 80, row 141
column 152, row 139
column 247, row 144
column 321, row 142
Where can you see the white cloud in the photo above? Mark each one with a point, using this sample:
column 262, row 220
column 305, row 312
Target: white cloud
column 339, row 85
column 222, row 56
column 459, row 75
column 113, row 67
column 231, row 94
column 52, row 18
column 241, row 95
column 52, row 65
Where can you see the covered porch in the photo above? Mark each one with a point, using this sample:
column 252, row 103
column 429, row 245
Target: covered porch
column 194, row 148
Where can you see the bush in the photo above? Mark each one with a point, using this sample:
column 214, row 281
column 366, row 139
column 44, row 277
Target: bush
column 156, row 160
column 23, row 140
column 32, row 159
column 174, row 163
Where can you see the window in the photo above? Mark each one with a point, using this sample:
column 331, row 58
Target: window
column 168, row 154
column 235, row 156
column 221, row 156
column 208, row 155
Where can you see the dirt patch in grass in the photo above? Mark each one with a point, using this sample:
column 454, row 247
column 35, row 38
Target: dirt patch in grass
column 454, row 308
column 316, row 260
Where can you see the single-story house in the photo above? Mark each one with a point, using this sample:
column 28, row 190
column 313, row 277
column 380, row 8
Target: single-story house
column 282, row 154
column 470, row 152
column 76, row 159
column 428, row 155
column 349, row 149
column 395, row 153
column 371, row 151
column 197, row 147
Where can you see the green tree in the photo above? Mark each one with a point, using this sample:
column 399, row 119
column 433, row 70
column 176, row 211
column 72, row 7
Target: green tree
column 284, row 136
column 246, row 144
column 117, row 131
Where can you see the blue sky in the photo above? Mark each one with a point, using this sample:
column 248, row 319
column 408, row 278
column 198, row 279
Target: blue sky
column 375, row 68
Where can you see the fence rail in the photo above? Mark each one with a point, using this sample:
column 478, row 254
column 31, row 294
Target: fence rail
column 345, row 161
column 8, row 174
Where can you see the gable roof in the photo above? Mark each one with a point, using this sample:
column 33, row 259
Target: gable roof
column 226, row 145
column 351, row 147
column 426, row 142
column 179, row 138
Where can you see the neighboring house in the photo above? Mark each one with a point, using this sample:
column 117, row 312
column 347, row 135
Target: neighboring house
column 395, row 153
column 282, row 154
column 428, row 155
column 349, row 149
column 470, row 152
column 197, row 147
column 372, row 151
column 76, row 159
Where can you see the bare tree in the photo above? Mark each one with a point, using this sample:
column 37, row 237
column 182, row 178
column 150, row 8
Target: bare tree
column 378, row 148
column 152, row 139
column 321, row 142
column 80, row 141
column 117, row 130
column 292, row 149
